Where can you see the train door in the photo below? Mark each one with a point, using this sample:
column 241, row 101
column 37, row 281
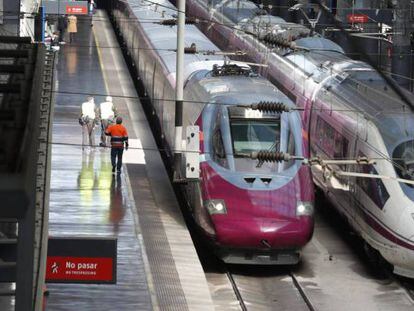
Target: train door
column 370, row 193
column 331, row 139
column 360, row 186
column 344, row 186
column 306, row 104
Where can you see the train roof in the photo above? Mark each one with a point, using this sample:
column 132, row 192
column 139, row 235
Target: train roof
column 367, row 92
column 235, row 90
column 319, row 44
column 162, row 38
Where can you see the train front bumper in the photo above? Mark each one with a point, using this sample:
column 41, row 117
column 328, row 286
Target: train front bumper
column 258, row 257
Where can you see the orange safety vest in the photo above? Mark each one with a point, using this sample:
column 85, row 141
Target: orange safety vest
column 118, row 134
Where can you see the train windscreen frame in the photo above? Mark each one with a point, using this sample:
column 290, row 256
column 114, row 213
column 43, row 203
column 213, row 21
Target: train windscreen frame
column 403, row 157
column 250, row 135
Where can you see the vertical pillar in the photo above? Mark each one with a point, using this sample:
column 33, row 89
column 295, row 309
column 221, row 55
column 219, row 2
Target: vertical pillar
column 401, row 52
column 179, row 90
column 40, row 20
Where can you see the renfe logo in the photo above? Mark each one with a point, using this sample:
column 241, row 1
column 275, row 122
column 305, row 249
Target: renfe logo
column 79, row 269
column 76, row 9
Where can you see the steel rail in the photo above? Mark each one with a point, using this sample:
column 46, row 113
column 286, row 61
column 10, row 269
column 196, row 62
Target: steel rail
column 236, row 291
column 302, row 292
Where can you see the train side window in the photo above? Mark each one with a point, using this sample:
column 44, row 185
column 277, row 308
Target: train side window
column 374, row 188
column 404, row 160
column 325, row 136
column 341, row 146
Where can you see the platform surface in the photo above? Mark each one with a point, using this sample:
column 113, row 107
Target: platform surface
column 158, row 267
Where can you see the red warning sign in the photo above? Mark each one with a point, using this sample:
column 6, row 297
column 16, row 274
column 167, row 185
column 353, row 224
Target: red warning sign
column 82, row 269
column 76, row 9
column 357, row 18
column 81, row 260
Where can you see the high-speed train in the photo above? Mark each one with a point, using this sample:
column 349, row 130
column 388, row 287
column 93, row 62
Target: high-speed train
column 350, row 113
column 252, row 213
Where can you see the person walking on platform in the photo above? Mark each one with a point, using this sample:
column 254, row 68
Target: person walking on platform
column 91, row 7
column 107, row 113
column 72, row 27
column 87, row 119
column 119, row 137
column 62, row 25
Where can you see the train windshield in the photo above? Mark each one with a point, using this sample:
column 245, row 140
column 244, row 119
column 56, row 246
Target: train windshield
column 403, row 157
column 237, row 10
column 254, row 135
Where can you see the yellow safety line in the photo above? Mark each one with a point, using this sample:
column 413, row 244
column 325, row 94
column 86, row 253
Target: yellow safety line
column 100, row 59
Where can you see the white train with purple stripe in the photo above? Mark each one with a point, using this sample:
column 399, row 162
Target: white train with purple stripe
column 349, row 112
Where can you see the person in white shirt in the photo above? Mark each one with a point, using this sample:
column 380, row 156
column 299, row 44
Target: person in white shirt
column 87, row 119
column 91, row 10
column 108, row 113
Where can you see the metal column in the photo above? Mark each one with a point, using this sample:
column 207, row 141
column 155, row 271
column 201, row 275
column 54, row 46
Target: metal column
column 401, row 54
column 179, row 91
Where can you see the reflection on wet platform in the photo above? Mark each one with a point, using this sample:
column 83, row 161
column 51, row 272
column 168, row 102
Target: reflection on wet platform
column 86, row 200
column 90, row 189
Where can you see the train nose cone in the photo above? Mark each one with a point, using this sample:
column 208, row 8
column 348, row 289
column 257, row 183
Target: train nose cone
column 264, row 233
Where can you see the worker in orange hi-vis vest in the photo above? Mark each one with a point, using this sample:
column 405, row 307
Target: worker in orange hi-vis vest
column 119, row 137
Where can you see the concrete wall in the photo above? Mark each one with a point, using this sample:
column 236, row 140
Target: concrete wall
column 10, row 26
column 10, row 21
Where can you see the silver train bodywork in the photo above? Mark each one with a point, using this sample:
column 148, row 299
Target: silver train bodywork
column 350, row 112
column 239, row 206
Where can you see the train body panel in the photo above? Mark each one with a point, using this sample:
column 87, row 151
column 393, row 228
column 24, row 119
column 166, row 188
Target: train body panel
column 350, row 112
column 237, row 203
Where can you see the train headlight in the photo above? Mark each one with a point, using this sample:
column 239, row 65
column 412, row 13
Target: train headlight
column 215, row 207
column 304, row 208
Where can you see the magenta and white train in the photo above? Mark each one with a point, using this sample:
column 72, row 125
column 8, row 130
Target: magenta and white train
column 349, row 112
column 251, row 214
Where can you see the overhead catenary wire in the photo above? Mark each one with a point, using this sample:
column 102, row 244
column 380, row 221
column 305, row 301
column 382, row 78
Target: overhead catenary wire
column 70, row 93
column 261, row 6
column 310, row 161
column 373, row 148
column 275, row 157
column 199, row 19
column 388, row 81
column 242, row 53
column 234, row 52
column 392, row 86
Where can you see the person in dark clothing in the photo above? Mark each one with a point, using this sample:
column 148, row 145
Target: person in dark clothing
column 62, row 26
column 119, row 137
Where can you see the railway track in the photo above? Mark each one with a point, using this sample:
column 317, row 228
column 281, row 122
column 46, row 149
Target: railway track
column 407, row 285
column 333, row 254
column 236, row 291
column 246, row 305
column 302, row 292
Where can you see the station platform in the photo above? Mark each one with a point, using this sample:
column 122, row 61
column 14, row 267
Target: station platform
column 157, row 268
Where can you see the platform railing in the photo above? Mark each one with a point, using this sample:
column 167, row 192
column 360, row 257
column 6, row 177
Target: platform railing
column 26, row 103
